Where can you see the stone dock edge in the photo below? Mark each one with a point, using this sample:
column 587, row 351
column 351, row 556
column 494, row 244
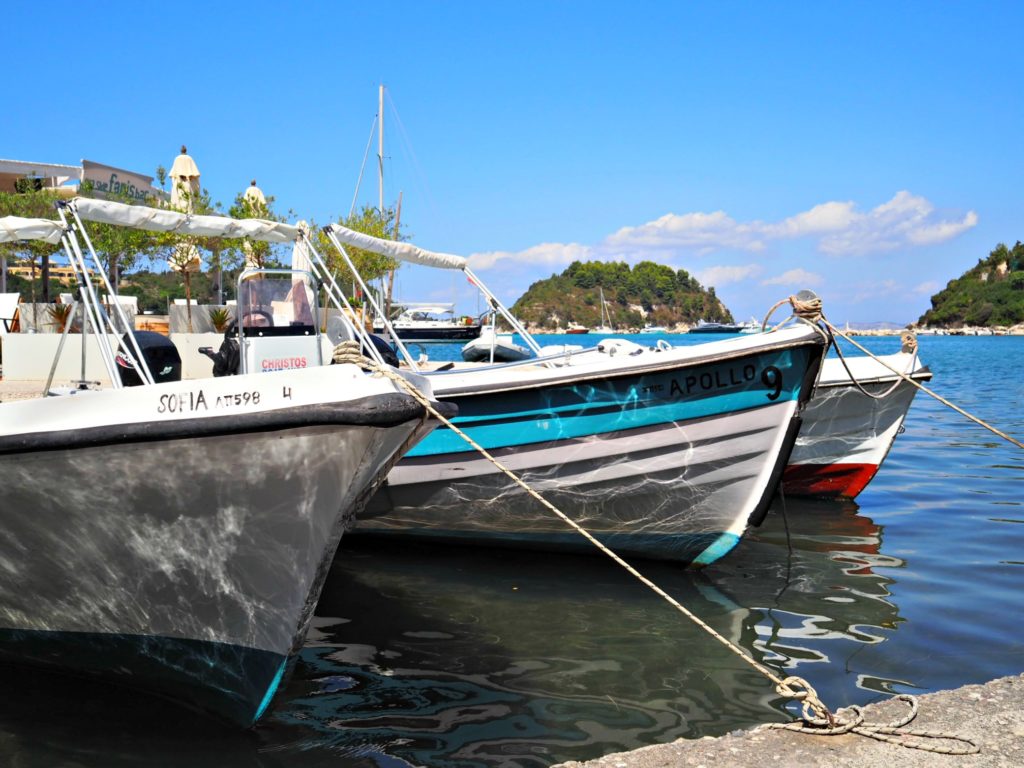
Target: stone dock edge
column 991, row 715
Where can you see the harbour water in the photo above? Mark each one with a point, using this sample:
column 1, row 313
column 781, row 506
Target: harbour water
column 459, row 657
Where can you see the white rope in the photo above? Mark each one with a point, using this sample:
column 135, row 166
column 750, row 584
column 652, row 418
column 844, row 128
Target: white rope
column 817, row 718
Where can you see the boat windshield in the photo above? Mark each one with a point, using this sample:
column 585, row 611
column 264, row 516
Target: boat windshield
column 276, row 301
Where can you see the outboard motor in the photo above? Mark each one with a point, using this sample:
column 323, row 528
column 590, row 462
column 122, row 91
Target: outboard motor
column 385, row 349
column 226, row 359
column 160, row 354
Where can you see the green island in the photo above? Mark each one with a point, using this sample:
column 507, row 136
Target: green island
column 988, row 295
column 645, row 294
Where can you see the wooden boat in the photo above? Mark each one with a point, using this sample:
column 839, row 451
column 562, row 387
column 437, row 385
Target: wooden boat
column 174, row 536
column 661, row 452
column 846, row 434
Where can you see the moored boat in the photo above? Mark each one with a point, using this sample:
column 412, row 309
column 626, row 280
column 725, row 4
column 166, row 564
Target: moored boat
column 667, row 454
column 492, row 347
column 174, row 536
column 660, row 452
column 846, row 434
column 713, row 327
column 424, row 323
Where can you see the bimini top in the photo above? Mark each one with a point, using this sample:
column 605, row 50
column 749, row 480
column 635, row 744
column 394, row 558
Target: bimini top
column 395, row 249
column 14, row 228
column 162, row 220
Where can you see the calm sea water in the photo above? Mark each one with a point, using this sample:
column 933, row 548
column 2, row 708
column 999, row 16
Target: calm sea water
column 445, row 656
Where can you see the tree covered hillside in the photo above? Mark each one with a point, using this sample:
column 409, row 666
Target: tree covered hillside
column 990, row 293
column 645, row 293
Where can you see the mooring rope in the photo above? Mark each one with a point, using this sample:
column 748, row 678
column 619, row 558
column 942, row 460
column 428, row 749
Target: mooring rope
column 921, row 387
column 811, row 310
column 817, row 718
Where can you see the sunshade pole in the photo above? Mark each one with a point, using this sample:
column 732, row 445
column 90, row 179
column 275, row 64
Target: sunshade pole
column 94, row 311
column 366, row 291
column 60, row 348
column 140, row 361
column 493, row 301
column 337, row 298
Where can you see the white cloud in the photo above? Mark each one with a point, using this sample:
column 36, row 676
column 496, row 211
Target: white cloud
column 800, row 278
column 723, row 275
column 905, row 221
column 928, row 288
column 545, row 253
column 875, row 290
column 691, row 230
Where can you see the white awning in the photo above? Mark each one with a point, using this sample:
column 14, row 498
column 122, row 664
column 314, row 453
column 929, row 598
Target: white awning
column 159, row 220
column 14, row 228
column 397, row 250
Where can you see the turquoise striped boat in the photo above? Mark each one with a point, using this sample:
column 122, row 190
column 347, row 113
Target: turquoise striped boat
column 667, row 453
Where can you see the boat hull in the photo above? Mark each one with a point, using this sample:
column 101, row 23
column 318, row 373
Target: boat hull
column 185, row 558
column 435, row 334
column 672, row 462
column 846, row 435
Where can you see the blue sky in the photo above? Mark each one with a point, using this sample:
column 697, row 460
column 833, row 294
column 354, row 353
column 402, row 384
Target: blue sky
column 871, row 151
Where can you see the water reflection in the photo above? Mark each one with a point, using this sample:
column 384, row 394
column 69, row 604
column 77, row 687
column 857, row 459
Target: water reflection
column 448, row 656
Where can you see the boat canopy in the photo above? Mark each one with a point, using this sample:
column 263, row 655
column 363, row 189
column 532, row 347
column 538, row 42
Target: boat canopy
column 14, row 228
column 160, row 220
column 397, row 250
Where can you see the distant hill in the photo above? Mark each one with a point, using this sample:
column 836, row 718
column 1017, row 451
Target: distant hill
column 646, row 293
column 988, row 294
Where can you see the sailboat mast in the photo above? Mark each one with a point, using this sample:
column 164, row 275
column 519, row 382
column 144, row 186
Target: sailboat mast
column 380, row 148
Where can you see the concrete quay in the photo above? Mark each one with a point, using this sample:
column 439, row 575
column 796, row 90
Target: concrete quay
column 990, row 715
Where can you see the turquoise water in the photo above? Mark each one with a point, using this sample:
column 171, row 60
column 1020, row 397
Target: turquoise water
column 461, row 657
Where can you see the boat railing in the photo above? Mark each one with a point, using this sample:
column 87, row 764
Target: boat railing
column 95, row 313
column 340, row 236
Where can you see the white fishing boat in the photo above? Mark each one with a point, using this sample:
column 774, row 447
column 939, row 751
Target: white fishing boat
column 846, row 433
column 174, row 536
column 660, row 452
column 651, row 328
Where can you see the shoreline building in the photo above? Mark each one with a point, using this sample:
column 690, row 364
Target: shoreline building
column 66, row 180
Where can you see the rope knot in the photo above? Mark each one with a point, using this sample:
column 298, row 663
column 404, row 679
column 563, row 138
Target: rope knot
column 808, row 309
column 814, row 711
column 349, row 352
column 908, row 342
